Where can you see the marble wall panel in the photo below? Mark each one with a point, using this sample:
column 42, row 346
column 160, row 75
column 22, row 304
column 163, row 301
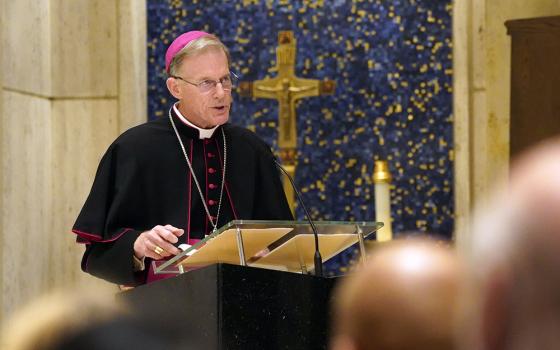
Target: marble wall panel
column 62, row 48
column 26, row 46
column 56, row 122
column 26, row 172
column 132, row 64
column 52, row 160
column 84, row 48
column 81, row 132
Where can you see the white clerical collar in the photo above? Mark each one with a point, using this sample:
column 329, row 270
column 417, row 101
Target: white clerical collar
column 204, row 133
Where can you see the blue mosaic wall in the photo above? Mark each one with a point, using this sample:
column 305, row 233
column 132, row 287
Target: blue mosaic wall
column 391, row 61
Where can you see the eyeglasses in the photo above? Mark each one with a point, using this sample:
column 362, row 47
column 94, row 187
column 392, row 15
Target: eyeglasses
column 205, row 86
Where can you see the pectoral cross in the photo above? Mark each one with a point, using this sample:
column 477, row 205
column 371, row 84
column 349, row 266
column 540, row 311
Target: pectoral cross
column 286, row 88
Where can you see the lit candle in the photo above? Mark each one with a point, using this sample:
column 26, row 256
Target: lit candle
column 382, row 181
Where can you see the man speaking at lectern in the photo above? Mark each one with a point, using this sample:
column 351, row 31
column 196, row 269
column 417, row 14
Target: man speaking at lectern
column 176, row 179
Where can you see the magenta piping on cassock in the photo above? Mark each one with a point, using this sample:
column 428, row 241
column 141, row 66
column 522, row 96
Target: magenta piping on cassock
column 206, row 189
column 98, row 238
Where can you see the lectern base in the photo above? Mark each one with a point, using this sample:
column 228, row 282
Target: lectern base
column 233, row 307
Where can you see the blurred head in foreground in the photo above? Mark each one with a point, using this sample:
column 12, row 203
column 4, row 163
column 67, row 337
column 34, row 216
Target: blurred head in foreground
column 403, row 298
column 512, row 299
column 77, row 319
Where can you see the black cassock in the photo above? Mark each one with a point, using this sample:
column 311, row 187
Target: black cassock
column 143, row 180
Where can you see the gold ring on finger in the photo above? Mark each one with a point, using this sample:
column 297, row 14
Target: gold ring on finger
column 158, row 250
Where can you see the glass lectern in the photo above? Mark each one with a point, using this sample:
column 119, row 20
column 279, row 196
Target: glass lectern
column 278, row 245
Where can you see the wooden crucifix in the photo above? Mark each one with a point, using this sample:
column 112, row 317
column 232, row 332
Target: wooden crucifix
column 287, row 88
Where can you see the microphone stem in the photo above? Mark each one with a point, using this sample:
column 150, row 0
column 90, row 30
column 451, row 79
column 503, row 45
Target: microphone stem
column 317, row 259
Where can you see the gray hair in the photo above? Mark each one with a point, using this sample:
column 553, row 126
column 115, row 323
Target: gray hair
column 195, row 47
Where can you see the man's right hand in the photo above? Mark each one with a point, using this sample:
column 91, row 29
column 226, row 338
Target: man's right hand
column 160, row 236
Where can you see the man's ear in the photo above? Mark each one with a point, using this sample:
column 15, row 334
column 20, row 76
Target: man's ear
column 173, row 87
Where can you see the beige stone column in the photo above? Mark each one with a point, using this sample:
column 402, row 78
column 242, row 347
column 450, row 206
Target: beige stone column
column 74, row 77
column 1, row 157
column 481, row 102
column 462, row 13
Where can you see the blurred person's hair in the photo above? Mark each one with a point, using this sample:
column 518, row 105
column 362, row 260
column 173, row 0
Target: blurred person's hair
column 48, row 320
column 511, row 296
column 94, row 319
column 403, row 298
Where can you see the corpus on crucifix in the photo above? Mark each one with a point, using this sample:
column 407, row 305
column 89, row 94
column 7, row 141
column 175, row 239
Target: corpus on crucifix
column 287, row 88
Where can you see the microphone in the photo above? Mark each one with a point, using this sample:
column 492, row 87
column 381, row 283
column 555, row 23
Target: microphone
column 317, row 259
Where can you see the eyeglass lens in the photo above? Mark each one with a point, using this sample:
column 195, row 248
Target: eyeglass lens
column 208, row 85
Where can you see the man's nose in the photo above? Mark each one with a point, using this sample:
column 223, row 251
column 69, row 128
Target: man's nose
column 219, row 90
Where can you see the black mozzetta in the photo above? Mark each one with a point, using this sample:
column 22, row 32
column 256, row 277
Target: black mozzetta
column 143, row 180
